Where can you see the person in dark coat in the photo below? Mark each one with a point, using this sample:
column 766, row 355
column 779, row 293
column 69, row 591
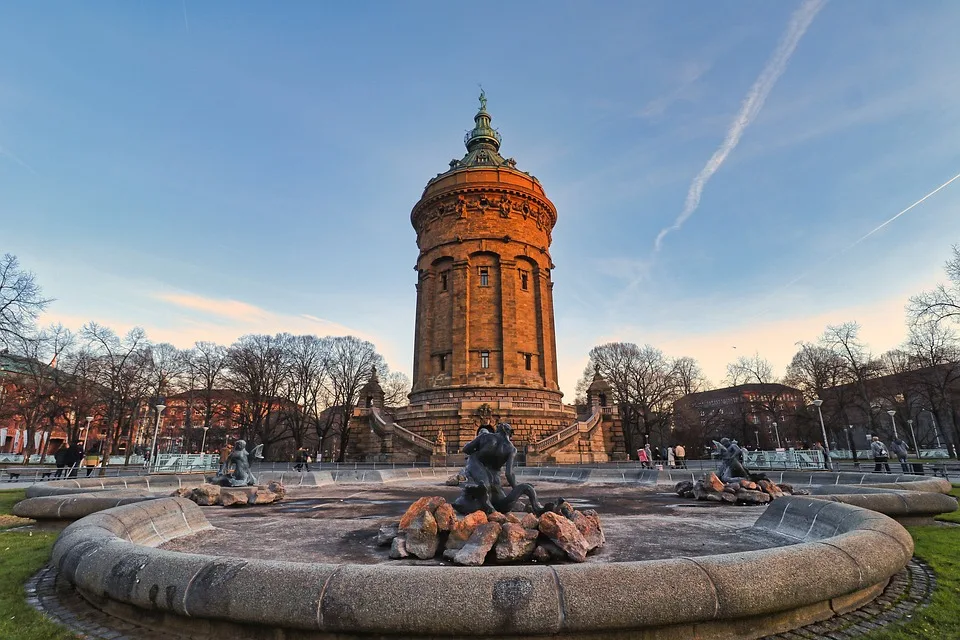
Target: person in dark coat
column 60, row 457
column 74, row 458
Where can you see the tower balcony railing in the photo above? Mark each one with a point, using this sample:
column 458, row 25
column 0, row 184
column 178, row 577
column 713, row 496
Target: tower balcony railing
column 482, row 133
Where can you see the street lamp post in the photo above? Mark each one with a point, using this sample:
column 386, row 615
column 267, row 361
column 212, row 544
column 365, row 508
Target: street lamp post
column 756, row 433
column 776, row 430
column 893, row 420
column 156, row 431
column 933, row 419
column 913, row 434
column 203, row 444
column 823, row 428
column 86, row 434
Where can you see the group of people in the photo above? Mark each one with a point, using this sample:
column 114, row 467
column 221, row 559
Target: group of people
column 675, row 456
column 881, row 456
column 302, row 460
column 69, row 459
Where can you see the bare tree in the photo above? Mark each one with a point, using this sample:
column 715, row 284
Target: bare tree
column 350, row 365
column 819, row 372
column 120, row 368
column 844, row 341
column 40, row 386
column 646, row 383
column 942, row 304
column 256, row 369
column 690, row 376
column 935, row 352
column 307, row 358
column 206, row 364
column 21, row 300
column 396, row 388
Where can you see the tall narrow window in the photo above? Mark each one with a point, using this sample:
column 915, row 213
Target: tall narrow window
column 528, row 361
column 524, row 280
column 443, row 281
column 484, row 277
column 443, row 362
column 484, row 359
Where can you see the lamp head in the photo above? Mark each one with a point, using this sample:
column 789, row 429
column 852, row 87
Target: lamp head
column 891, row 413
column 161, row 407
column 817, row 402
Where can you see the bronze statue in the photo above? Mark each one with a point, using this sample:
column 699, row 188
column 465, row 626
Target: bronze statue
column 486, row 456
column 731, row 460
column 235, row 472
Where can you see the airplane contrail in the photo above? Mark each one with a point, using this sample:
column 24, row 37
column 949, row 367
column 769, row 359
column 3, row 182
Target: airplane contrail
column 871, row 232
column 12, row 156
column 776, row 65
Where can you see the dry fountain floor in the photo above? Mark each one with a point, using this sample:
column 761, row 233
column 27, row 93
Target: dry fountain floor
column 339, row 524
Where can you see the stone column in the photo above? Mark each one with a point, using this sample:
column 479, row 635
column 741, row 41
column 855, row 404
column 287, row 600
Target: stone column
column 460, row 335
column 508, row 322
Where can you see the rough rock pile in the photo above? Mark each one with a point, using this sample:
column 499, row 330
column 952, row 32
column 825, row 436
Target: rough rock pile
column 431, row 526
column 739, row 491
column 211, row 494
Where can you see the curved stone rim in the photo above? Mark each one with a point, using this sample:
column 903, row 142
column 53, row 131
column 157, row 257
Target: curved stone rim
column 110, row 555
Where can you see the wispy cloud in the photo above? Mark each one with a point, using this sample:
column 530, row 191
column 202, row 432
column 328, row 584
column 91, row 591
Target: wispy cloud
column 231, row 318
column 752, row 104
column 232, row 309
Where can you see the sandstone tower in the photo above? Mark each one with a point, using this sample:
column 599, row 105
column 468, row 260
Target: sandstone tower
column 485, row 344
column 484, row 327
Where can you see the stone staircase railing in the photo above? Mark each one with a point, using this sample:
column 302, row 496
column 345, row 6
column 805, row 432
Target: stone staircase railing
column 565, row 434
column 382, row 425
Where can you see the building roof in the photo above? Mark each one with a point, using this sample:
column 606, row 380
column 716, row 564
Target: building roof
column 738, row 391
column 483, row 145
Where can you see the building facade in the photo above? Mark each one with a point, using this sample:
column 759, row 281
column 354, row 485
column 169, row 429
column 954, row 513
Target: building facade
column 757, row 415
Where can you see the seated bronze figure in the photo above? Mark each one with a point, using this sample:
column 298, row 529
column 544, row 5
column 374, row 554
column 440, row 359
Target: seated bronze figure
column 487, row 454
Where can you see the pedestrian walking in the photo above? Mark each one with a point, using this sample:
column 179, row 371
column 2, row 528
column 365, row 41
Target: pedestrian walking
column 643, row 458
column 671, row 457
column 60, row 457
column 681, row 456
column 899, row 448
column 880, row 456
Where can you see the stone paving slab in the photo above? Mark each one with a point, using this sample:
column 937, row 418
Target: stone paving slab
column 908, row 591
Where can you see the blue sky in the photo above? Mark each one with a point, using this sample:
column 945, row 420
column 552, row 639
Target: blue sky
column 210, row 169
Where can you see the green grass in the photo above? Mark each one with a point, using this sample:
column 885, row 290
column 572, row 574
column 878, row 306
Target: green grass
column 22, row 554
column 955, row 516
column 939, row 546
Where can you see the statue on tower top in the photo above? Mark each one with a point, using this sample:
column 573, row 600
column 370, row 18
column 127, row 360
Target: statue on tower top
column 483, row 99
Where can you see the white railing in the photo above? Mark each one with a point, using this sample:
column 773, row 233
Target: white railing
column 566, row 433
column 380, row 421
column 178, row 462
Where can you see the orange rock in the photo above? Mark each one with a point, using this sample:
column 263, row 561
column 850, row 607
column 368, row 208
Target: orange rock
column 565, row 535
column 478, row 545
column 462, row 530
column 588, row 524
column 515, row 543
column 445, row 516
column 497, row 517
column 427, row 503
column 712, row 482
